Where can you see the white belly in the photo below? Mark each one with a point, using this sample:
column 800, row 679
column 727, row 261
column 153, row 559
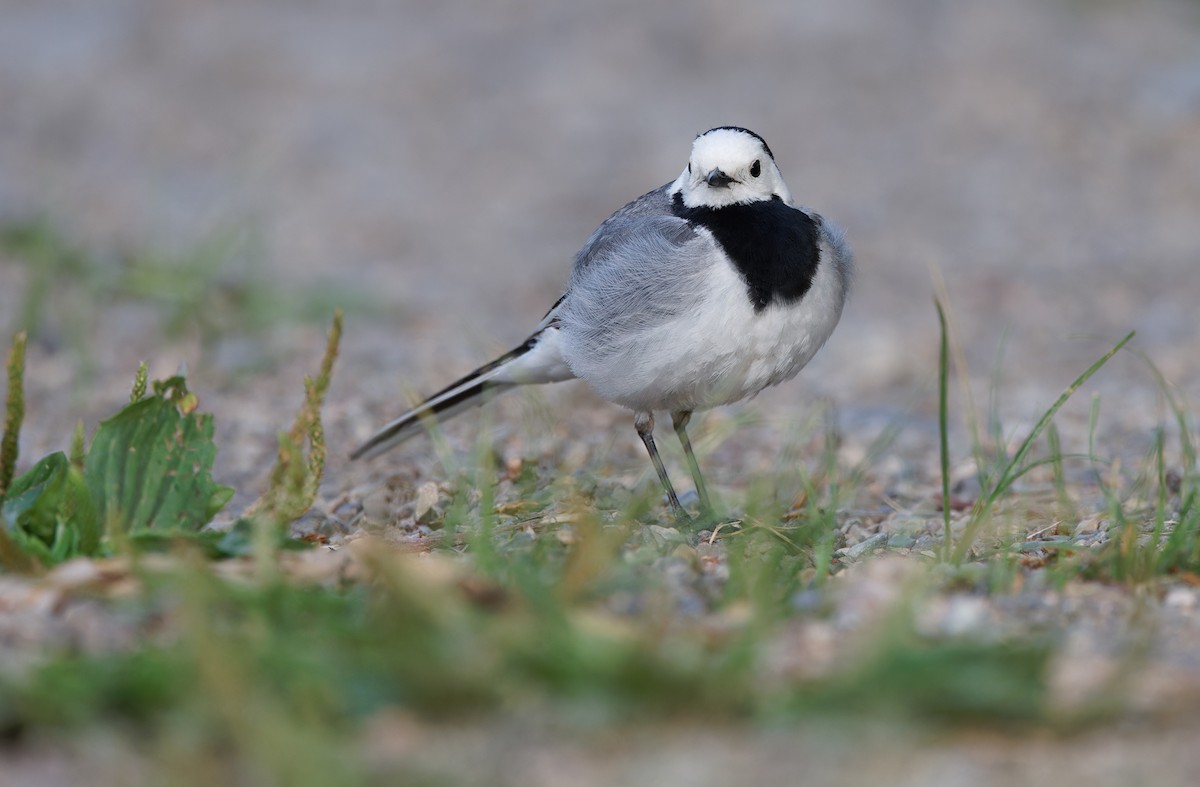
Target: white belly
column 720, row 350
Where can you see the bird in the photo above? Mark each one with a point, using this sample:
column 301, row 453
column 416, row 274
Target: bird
column 698, row 294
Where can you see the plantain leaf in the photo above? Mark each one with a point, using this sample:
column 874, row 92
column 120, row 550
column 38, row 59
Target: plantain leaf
column 149, row 466
column 237, row 541
column 50, row 513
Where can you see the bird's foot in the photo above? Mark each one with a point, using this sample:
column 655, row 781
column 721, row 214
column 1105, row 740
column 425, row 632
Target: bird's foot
column 707, row 517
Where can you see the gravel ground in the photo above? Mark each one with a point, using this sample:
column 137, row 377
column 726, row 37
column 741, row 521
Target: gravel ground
column 444, row 161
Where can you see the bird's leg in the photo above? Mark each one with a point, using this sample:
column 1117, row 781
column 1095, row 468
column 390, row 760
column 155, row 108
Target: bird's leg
column 644, row 423
column 680, row 421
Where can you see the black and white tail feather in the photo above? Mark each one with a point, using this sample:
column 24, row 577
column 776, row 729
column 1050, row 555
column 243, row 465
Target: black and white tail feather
column 534, row 362
column 700, row 293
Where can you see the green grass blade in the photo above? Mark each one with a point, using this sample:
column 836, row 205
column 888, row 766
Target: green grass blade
column 1014, row 468
column 14, row 411
column 943, row 427
column 1014, row 464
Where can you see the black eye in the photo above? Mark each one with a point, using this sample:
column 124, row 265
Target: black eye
column 689, row 168
column 755, row 169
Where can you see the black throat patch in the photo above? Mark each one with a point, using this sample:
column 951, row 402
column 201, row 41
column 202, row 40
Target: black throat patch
column 774, row 246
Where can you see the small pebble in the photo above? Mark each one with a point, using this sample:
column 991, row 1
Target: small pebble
column 427, row 498
column 1180, row 598
column 377, row 506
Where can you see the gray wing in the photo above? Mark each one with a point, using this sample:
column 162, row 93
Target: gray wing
column 641, row 268
column 616, row 227
column 608, row 237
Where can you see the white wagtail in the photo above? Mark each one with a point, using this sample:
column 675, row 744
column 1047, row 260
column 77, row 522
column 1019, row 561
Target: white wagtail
column 700, row 293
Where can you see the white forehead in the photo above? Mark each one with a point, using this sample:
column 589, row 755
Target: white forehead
column 727, row 148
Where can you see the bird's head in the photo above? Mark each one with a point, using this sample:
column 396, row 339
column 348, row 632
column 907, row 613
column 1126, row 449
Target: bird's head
column 730, row 166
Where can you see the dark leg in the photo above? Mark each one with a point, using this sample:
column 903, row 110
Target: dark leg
column 680, row 421
column 644, row 423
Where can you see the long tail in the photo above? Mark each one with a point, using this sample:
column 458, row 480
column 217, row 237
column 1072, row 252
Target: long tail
column 537, row 360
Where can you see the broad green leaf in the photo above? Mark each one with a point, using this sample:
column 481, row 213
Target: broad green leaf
column 49, row 511
column 150, row 465
column 237, row 541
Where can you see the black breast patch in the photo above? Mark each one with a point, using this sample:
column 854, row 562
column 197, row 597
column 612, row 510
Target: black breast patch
column 774, row 246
